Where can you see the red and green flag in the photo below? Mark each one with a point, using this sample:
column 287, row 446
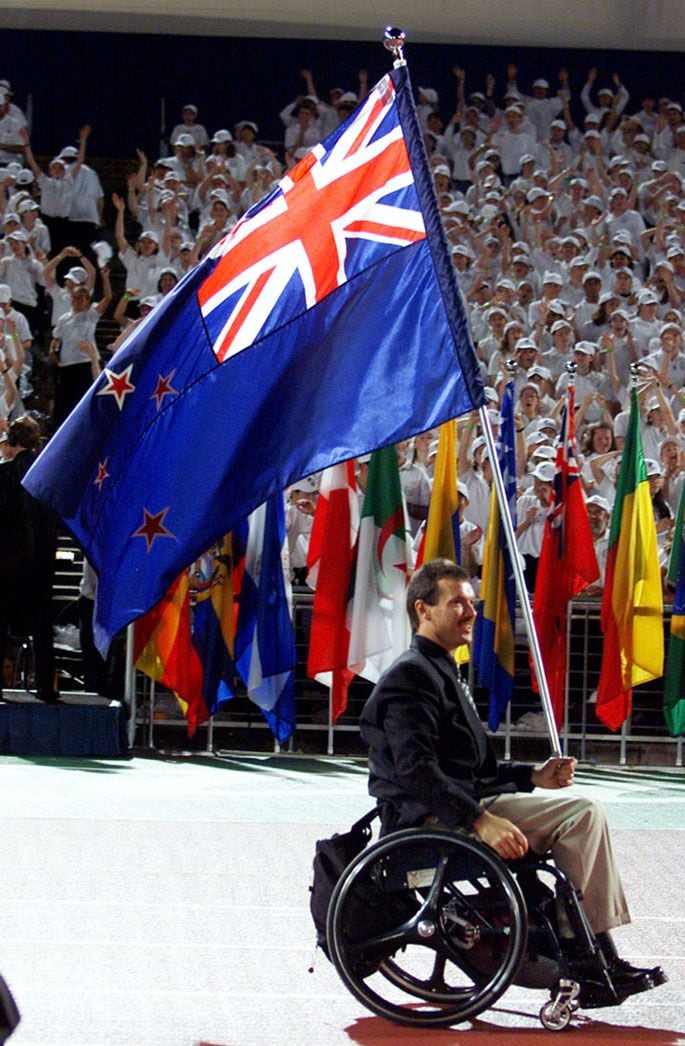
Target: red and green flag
column 379, row 627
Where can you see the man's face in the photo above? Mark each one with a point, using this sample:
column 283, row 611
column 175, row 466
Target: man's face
column 449, row 623
column 598, row 519
column 513, row 119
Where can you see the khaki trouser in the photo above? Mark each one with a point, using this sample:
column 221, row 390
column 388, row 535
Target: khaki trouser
column 576, row 832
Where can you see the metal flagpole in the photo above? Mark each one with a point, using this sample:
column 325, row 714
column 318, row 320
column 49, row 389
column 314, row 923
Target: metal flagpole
column 329, row 746
column 394, row 40
column 521, row 590
column 151, row 722
column 567, row 688
column 130, row 686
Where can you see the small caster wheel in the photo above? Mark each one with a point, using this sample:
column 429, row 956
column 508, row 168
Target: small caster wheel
column 555, row 1016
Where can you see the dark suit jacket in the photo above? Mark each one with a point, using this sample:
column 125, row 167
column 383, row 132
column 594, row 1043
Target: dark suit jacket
column 428, row 753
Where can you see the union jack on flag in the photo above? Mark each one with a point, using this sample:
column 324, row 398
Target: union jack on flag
column 567, row 563
column 566, row 465
column 361, row 189
column 326, row 324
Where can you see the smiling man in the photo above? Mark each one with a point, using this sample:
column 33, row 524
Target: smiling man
column 432, row 764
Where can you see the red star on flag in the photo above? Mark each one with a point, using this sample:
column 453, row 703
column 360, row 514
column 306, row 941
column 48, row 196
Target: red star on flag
column 102, row 475
column 118, row 385
column 153, row 527
column 163, row 388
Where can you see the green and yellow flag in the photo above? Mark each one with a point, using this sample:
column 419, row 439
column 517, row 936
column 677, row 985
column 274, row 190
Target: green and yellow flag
column 632, row 604
column 674, row 685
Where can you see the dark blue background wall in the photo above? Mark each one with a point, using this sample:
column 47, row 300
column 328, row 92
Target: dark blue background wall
column 115, row 81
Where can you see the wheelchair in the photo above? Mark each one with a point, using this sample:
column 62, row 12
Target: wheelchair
column 427, row 928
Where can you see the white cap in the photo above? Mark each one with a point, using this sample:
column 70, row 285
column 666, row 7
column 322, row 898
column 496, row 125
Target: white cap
column 545, row 471
column 601, row 502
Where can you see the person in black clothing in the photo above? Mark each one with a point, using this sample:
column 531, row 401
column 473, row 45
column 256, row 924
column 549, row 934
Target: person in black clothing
column 431, row 763
column 28, row 542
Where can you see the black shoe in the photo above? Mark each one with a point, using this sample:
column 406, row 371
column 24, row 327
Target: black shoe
column 626, row 980
column 635, row 978
column 49, row 697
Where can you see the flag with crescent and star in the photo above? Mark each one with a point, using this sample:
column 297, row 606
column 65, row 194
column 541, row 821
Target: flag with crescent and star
column 326, row 324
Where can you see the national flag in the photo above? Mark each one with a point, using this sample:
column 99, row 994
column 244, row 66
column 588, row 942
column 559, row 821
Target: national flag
column 298, row 342
column 164, row 651
column 214, row 621
column 264, row 638
column 568, row 563
column 379, row 628
column 330, row 561
column 441, row 536
column 632, row 606
column 493, row 647
column 674, row 682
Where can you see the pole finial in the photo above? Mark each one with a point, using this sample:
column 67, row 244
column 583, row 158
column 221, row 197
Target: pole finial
column 635, row 374
column 394, row 40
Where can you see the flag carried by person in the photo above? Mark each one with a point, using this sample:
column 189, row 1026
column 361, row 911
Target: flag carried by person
column 493, row 647
column 298, row 342
column 568, row 563
column 330, row 562
column 632, row 604
column 379, row 626
column 163, row 649
column 674, row 681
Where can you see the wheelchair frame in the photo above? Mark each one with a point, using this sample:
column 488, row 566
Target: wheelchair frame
column 429, row 928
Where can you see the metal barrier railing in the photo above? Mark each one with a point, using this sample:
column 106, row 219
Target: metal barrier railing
column 239, row 726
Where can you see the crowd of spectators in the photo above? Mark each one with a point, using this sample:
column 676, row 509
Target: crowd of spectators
column 569, row 244
column 567, row 236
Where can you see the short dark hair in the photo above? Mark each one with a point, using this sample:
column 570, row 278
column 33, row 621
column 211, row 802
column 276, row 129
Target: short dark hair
column 24, row 432
column 424, row 585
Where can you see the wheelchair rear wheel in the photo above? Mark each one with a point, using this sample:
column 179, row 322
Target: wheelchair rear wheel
column 427, row 928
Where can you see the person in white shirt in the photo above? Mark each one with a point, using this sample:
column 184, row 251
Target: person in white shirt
column 144, row 264
column 607, row 101
column 305, row 131
column 646, row 325
column 190, row 126
column 599, row 517
column 416, row 486
column 542, row 110
column 512, row 143
column 11, row 142
column 622, row 217
column 36, row 230
column 531, row 513
column 57, row 188
column 87, row 203
column 73, row 350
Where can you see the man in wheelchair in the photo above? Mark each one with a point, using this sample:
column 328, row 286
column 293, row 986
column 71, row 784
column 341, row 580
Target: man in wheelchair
column 431, row 764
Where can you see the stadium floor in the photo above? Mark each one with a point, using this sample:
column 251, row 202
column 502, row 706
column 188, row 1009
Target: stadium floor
column 165, row 901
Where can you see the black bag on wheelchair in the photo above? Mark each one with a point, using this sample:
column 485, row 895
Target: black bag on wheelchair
column 331, row 858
